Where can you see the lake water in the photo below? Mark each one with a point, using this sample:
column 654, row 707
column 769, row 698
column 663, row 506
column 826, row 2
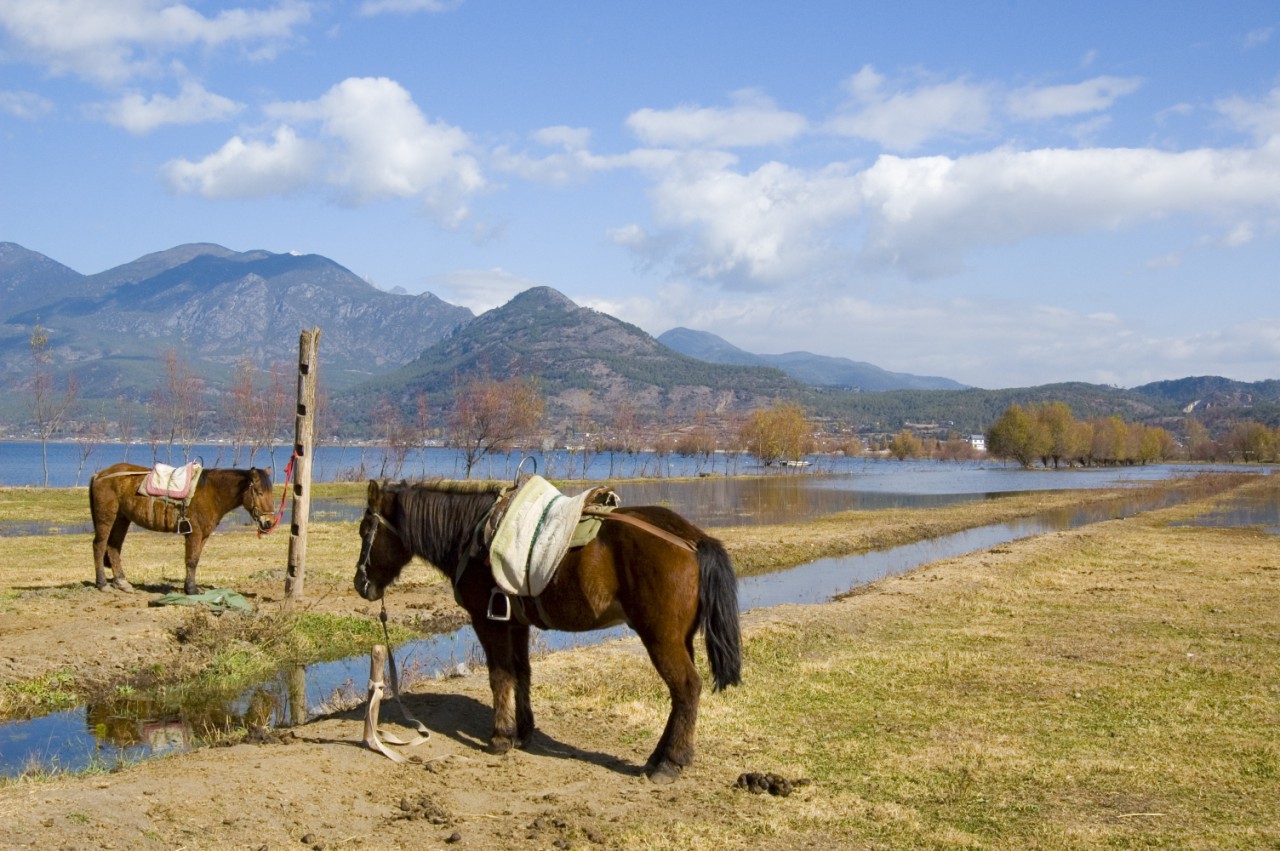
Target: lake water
column 757, row 496
column 21, row 464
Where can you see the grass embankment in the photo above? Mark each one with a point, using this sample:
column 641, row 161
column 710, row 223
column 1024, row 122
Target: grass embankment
column 1112, row 686
column 763, row 549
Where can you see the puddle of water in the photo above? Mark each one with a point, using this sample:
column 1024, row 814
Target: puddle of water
column 1257, row 510
column 79, row 738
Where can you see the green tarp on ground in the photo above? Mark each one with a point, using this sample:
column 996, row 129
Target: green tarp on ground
column 218, row 599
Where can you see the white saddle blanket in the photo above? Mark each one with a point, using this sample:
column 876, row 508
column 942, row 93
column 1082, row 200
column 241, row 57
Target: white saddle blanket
column 171, row 482
column 533, row 536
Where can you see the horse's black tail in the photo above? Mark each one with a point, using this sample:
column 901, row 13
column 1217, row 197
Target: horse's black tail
column 718, row 602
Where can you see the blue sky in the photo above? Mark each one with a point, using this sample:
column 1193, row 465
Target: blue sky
column 1002, row 193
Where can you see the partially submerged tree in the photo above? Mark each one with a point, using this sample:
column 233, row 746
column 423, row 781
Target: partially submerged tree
column 777, row 434
column 904, row 445
column 48, row 407
column 492, row 416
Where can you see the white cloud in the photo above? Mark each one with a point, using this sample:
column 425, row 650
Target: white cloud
column 27, row 105
column 1258, row 37
column 569, row 138
column 1095, row 95
column 373, row 142
column 478, row 289
column 903, row 120
column 753, row 229
column 193, row 105
column 573, row 162
column 249, row 169
column 379, row 7
column 753, row 120
column 114, row 42
column 388, row 148
column 1260, row 117
column 924, row 214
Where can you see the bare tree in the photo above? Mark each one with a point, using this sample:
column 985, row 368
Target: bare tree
column 243, row 409
column 89, row 435
column 394, row 436
column 126, row 424
column 490, row 416
column 180, row 402
column 48, row 409
column 698, row 442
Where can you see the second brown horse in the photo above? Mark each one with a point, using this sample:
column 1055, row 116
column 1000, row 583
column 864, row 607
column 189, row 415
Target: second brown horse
column 114, row 502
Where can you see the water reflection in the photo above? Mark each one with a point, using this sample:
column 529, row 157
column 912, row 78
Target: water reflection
column 1257, row 510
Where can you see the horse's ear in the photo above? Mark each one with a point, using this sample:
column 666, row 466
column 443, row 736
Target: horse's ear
column 374, row 492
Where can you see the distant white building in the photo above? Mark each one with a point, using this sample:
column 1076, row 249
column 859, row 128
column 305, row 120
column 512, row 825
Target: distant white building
column 978, row 442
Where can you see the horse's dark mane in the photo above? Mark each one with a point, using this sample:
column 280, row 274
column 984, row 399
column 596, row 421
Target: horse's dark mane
column 438, row 518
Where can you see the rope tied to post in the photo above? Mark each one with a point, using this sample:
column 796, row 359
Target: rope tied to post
column 381, row 659
column 288, row 474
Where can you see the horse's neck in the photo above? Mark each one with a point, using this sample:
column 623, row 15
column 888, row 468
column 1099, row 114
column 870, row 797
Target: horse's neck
column 440, row 537
column 222, row 486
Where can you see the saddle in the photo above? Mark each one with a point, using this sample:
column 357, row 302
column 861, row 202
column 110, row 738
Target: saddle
column 530, row 529
column 175, row 485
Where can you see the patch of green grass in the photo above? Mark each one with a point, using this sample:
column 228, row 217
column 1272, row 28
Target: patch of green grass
column 51, row 505
column 30, row 698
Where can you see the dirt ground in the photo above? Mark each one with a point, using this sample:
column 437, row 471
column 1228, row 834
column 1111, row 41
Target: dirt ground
column 578, row 785
column 318, row 786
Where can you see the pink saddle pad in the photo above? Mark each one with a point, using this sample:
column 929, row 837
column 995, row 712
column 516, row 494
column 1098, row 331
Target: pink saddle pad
column 171, row 482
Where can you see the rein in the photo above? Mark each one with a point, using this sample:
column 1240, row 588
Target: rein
column 288, row 474
column 382, row 616
column 395, row 680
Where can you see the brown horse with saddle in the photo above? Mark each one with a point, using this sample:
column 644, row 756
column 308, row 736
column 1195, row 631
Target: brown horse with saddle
column 646, row 566
column 183, row 500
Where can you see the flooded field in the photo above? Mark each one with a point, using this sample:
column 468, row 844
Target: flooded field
column 128, row 728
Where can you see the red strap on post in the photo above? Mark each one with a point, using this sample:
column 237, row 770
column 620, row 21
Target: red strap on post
column 288, row 474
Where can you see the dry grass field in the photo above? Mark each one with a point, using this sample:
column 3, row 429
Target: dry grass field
column 1116, row 685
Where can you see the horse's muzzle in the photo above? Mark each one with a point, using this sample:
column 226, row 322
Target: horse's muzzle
column 367, row 589
column 266, row 524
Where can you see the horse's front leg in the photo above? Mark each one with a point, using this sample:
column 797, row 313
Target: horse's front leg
column 519, row 637
column 497, row 640
column 195, row 546
column 110, row 555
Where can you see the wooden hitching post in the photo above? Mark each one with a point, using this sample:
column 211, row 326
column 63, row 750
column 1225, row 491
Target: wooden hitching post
column 308, row 342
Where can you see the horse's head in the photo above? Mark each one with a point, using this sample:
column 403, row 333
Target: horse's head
column 383, row 552
column 258, row 500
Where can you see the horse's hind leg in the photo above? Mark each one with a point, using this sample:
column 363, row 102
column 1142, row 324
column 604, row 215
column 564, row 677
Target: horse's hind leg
column 100, row 556
column 674, row 660
column 499, row 641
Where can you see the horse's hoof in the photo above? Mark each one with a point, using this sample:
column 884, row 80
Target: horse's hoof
column 122, row 585
column 498, row 747
column 666, row 772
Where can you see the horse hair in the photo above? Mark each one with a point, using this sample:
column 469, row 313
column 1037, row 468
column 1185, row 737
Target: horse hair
column 438, row 518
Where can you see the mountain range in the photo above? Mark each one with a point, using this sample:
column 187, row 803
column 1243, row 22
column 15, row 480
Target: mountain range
column 219, row 308
column 808, row 368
